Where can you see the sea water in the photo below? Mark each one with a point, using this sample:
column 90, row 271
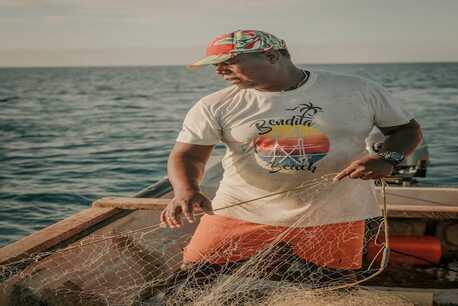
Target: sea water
column 71, row 135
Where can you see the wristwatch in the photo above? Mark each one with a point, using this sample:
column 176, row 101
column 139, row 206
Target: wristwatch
column 394, row 158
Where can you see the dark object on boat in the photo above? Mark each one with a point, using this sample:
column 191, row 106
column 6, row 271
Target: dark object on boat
column 414, row 165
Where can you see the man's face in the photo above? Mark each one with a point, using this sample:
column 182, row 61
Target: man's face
column 246, row 70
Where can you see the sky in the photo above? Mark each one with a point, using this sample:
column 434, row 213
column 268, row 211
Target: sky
column 171, row 32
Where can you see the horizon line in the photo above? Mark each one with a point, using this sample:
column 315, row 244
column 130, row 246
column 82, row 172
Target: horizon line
column 184, row 65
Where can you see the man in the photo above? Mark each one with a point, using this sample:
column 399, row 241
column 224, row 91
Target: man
column 283, row 127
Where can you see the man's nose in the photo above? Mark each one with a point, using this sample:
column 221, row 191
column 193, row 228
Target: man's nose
column 220, row 68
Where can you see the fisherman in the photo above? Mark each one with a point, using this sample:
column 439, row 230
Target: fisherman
column 283, row 127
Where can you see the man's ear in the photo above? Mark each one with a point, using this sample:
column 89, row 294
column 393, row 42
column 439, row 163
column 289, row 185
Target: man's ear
column 272, row 56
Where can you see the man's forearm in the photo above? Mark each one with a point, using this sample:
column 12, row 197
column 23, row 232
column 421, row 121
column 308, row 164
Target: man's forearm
column 184, row 173
column 403, row 140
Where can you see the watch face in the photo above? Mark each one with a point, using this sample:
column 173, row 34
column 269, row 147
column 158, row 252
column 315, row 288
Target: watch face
column 394, row 157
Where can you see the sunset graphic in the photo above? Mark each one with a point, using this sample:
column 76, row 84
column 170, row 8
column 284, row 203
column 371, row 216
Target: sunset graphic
column 291, row 148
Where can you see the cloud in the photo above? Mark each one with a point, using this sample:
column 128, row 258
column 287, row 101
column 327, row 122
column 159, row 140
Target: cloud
column 143, row 8
column 184, row 55
column 56, row 19
column 28, row 4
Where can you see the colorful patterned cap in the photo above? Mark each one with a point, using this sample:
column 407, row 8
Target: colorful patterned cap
column 226, row 46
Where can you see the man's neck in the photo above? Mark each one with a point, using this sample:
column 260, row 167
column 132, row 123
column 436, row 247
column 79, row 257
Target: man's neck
column 290, row 78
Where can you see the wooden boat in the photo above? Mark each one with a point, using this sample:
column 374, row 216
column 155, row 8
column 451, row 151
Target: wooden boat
column 414, row 211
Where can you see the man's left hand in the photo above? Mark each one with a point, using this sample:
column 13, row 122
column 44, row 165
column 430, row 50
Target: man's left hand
column 367, row 168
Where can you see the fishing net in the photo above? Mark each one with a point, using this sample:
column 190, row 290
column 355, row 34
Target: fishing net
column 142, row 265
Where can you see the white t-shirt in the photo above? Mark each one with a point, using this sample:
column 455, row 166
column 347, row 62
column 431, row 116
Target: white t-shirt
column 276, row 141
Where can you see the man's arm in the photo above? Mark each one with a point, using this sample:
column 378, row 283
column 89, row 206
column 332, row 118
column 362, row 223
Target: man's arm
column 186, row 166
column 403, row 139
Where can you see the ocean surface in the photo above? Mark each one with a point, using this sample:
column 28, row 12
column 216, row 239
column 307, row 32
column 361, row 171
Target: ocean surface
column 71, row 135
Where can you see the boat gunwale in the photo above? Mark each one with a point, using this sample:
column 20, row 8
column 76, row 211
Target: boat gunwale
column 72, row 228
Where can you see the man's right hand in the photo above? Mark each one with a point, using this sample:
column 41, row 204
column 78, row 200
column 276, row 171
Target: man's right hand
column 184, row 202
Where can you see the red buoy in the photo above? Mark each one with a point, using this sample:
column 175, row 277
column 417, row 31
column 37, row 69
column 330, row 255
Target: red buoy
column 408, row 250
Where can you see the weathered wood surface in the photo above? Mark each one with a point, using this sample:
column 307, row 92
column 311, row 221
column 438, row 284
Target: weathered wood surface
column 54, row 234
column 422, row 211
column 418, row 298
column 421, row 202
column 394, row 210
column 434, row 196
column 423, row 296
column 131, row 203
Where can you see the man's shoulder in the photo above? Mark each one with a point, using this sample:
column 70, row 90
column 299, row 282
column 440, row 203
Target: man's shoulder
column 220, row 96
column 341, row 78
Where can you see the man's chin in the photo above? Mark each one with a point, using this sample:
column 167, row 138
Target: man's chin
column 243, row 85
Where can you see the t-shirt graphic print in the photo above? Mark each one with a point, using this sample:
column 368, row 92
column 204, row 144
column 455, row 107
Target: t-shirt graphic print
column 290, row 144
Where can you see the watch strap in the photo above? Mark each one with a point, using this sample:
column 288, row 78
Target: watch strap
column 394, row 158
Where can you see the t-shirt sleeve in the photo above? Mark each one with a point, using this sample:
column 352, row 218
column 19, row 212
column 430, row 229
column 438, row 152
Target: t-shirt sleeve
column 200, row 126
column 384, row 108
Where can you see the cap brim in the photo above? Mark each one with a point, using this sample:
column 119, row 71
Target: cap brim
column 210, row 60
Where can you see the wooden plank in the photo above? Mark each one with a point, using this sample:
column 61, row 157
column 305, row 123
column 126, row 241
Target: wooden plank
column 424, row 208
column 422, row 211
column 54, row 234
column 421, row 202
column 131, row 203
column 394, row 210
column 437, row 196
column 419, row 297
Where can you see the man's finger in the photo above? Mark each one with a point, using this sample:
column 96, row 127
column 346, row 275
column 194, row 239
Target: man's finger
column 358, row 172
column 168, row 220
column 174, row 217
column 186, row 207
column 344, row 173
column 171, row 217
column 163, row 219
